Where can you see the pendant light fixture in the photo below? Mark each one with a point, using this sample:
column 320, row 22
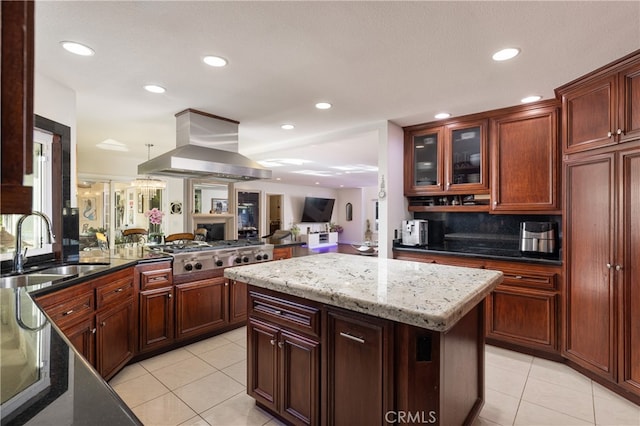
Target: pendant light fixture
column 148, row 186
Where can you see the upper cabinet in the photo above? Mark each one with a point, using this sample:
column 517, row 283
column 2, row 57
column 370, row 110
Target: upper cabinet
column 602, row 108
column 525, row 159
column 446, row 159
column 17, row 105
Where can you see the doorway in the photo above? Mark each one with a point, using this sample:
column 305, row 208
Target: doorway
column 274, row 212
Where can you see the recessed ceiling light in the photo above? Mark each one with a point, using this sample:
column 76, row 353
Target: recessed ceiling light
column 504, row 54
column 442, row 115
column 317, row 183
column 215, row 61
column 529, row 99
column 323, row 105
column 287, row 126
column 153, row 88
column 77, row 48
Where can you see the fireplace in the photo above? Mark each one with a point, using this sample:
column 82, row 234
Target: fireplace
column 218, row 226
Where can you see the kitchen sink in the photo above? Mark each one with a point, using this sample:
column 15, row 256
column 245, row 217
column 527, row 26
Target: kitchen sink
column 16, row 281
column 73, row 269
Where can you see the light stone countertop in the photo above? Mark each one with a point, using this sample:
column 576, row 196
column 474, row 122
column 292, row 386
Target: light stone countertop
column 426, row 295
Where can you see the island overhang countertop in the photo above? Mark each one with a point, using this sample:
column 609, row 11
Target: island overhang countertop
column 426, row 295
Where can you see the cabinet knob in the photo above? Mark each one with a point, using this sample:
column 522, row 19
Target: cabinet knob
column 619, row 131
column 609, row 134
column 103, row 323
column 93, row 331
column 495, row 203
column 169, row 295
column 273, row 342
column 618, row 268
column 281, row 345
column 608, row 266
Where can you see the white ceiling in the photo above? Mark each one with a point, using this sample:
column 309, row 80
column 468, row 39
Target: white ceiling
column 374, row 61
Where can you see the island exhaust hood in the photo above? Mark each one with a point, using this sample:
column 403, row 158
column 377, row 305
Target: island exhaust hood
column 206, row 147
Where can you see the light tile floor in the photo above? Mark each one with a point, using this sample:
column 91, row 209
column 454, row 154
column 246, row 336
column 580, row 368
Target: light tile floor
column 205, row 384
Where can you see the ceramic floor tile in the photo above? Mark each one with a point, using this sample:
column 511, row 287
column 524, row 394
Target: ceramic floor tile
column 238, row 410
column 139, row 390
column 560, row 374
column 166, row 359
column 505, row 381
column 224, row 356
column 195, row 421
column 534, row 415
column 209, row 391
column 239, row 334
column 129, row 372
column 275, row 422
column 481, row 421
column 508, row 360
column 167, row 409
column 499, row 407
column 237, row 372
column 183, row 372
column 559, row 398
column 208, row 344
column 616, row 412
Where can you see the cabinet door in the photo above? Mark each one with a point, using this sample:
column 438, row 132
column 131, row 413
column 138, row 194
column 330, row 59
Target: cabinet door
column 629, row 121
column 524, row 161
column 300, row 378
column 82, row 337
column 466, row 157
column 590, row 294
column 201, row 306
column 156, row 318
column 237, row 301
column 262, row 363
column 629, row 274
column 115, row 338
column 282, row 253
column 423, row 153
column 358, row 376
column 589, row 115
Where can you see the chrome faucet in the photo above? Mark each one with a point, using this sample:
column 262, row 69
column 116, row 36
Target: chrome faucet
column 20, row 259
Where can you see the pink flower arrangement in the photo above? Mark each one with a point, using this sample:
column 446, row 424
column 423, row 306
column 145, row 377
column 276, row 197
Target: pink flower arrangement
column 154, row 215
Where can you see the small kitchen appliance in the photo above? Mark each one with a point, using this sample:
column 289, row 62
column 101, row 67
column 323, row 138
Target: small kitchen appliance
column 415, row 232
column 537, row 237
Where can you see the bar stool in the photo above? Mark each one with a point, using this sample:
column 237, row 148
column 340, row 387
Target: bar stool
column 135, row 235
column 180, row 237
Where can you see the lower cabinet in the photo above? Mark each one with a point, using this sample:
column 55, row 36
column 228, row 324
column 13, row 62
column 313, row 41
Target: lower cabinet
column 155, row 305
column 201, row 307
column 358, row 374
column 237, row 302
column 82, row 336
column 281, row 253
column 115, row 338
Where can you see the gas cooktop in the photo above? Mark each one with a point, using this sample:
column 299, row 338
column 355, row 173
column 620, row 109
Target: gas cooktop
column 191, row 246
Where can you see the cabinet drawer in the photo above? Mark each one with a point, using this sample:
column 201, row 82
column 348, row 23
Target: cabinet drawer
column 282, row 253
column 75, row 308
column 540, row 280
column 150, row 280
column 117, row 291
column 285, row 312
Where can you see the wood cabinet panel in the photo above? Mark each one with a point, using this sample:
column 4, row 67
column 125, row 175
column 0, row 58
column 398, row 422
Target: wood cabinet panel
column 156, row 278
column 287, row 313
column 82, row 337
column 281, row 253
column 117, row 291
column 590, row 293
column 357, row 392
column 237, row 302
column 201, row 306
column 525, row 161
column 115, row 338
column 629, row 102
column 262, row 362
column 156, row 318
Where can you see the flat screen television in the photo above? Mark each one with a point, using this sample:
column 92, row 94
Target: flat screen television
column 317, row 209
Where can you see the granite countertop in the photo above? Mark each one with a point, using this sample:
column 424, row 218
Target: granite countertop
column 421, row 294
column 484, row 253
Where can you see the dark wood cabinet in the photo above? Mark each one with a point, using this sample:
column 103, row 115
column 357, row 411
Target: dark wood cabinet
column 237, row 302
column 358, row 364
column 201, row 306
column 602, row 108
column 284, row 357
column 115, row 337
column 281, row 253
column 525, row 160
column 156, row 306
column 603, row 247
column 82, row 336
column 17, row 70
column 446, row 158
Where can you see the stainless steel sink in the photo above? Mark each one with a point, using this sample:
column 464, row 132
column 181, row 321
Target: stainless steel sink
column 15, row 281
column 73, row 269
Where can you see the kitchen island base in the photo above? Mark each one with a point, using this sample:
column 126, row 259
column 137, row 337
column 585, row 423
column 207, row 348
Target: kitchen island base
column 313, row 363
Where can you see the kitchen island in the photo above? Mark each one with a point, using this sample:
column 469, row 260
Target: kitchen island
column 343, row 339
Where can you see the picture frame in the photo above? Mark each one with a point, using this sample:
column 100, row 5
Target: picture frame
column 219, row 206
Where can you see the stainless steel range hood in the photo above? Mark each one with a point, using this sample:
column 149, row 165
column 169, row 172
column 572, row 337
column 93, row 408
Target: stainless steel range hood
column 207, row 147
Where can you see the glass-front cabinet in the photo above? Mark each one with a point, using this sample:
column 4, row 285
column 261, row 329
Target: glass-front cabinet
column 448, row 159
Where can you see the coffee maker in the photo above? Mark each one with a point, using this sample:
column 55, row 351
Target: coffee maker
column 415, row 232
column 537, row 237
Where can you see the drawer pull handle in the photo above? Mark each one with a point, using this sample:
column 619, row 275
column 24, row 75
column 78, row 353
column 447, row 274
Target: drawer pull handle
column 277, row 312
column 119, row 290
column 518, row 277
column 352, row 337
column 68, row 313
column 159, row 278
column 273, row 342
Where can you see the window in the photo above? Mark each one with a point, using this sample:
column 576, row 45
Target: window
column 33, row 229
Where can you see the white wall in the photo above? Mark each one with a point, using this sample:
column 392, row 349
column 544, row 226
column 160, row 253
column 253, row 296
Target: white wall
column 56, row 102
